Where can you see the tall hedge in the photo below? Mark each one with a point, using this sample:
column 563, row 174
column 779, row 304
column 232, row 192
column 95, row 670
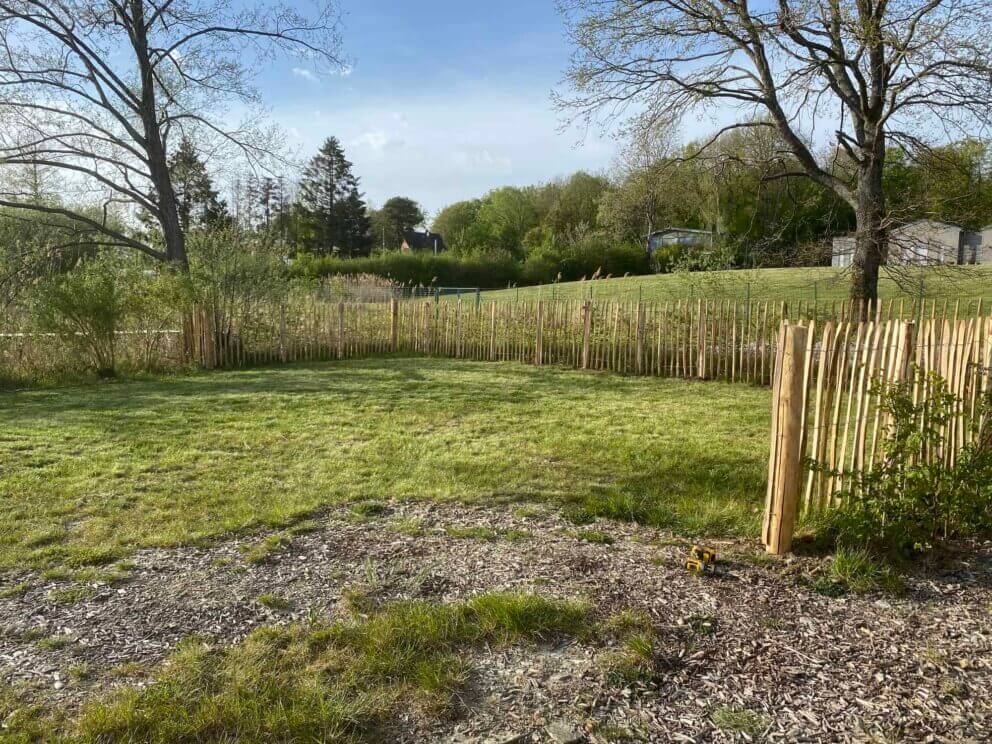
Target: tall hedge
column 445, row 270
column 542, row 266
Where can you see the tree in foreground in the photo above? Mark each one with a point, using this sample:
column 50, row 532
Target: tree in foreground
column 103, row 91
column 861, row 74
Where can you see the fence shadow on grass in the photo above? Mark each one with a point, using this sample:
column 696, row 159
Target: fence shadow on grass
column 411, row 427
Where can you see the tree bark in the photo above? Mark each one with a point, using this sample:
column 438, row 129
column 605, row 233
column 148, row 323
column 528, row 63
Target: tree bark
column 871, row 241
column 158, row 162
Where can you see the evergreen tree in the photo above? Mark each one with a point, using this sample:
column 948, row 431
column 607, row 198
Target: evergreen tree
column 332, row 206
column 199, row 204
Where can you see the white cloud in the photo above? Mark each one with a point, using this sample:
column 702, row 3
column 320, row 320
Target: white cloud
column 302, row 72
column 447, row 147
column 376, row 140
column 482, row 159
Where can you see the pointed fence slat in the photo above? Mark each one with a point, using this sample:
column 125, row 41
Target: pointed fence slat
column 842, row 427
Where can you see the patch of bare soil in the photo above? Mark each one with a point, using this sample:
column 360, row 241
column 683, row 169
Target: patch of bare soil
column 749, row 654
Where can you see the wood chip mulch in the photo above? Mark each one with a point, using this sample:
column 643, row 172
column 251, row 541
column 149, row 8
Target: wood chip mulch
column 752, row 645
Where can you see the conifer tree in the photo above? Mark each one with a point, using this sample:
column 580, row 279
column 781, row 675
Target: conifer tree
column 334, row 213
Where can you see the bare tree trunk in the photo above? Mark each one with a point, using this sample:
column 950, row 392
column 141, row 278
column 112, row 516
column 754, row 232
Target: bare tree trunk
column 158, row 162
column 172, row 230
column 871, row 241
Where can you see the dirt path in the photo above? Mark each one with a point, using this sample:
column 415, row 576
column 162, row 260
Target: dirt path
column 808, row 667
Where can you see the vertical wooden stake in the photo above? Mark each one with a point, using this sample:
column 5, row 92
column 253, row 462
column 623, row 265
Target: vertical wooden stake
column 586, row 329
column 539, row 340
column 492, row 331
column 458, row 328
column 340, row 330
column 785, row 462
column 639, row 337
column 701, row 340
column 394, row 316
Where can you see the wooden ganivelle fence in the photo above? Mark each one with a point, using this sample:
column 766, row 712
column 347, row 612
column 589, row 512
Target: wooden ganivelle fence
column 826, row 420
column 689, row 339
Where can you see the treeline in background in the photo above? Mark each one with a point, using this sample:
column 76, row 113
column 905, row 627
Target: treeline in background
column 587, row 225
column 581, row 226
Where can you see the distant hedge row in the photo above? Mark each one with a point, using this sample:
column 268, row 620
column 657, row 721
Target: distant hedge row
column 542, row 266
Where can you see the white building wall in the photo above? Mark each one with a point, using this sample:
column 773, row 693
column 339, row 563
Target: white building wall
column 985, row 249
column 925, row 243
column 843, row 251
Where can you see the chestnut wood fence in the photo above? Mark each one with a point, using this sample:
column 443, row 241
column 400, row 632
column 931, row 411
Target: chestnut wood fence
column 688, row 339
column 827, row 424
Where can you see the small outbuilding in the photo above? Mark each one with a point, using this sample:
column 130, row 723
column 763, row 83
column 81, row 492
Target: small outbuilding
column 925, row 243
column 679, row 236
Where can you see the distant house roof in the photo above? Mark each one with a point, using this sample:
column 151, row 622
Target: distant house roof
column 677, row 236
column 679, row 230
column 424, row 241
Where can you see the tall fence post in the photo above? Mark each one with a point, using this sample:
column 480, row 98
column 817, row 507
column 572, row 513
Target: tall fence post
column 458, row 328
column 282, row 332
column 701, row 339
column 785, row 460
column 586, row 330
column 639, row 338
column 539, row 340
column 492, row 331
column 394, row 335
column 340, row 330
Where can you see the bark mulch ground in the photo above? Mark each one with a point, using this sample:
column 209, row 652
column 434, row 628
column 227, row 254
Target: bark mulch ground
column 752, row 653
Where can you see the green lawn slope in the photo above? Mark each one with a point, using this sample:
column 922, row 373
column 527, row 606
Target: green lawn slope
column 813, row 284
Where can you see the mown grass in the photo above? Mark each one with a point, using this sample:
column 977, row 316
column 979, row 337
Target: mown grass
column 344, row 682
column 822, row 284
column 88, row 474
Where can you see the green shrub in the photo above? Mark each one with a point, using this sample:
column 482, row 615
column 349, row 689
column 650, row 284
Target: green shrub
column 555, row 259
column 85, row 307
column 912, row 499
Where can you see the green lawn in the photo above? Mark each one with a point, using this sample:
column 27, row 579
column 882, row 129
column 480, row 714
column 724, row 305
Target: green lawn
column 820, row 284
column 89, row 473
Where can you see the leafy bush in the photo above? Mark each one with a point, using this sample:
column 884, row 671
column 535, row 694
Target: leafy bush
column 913, row 499
column 86, row 306
column 234, row 270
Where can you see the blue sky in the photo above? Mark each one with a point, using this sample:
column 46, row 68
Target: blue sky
column 443, row 100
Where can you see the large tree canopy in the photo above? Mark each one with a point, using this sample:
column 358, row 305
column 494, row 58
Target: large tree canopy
column 863, row 74
column 398, row 215
column 102, row 91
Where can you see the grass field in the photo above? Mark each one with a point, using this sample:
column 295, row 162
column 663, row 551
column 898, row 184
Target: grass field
column 820, row 284
column 88, row 474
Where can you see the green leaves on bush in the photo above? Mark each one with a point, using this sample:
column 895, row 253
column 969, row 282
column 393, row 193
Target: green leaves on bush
column 916, row 496
column 89, row 304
